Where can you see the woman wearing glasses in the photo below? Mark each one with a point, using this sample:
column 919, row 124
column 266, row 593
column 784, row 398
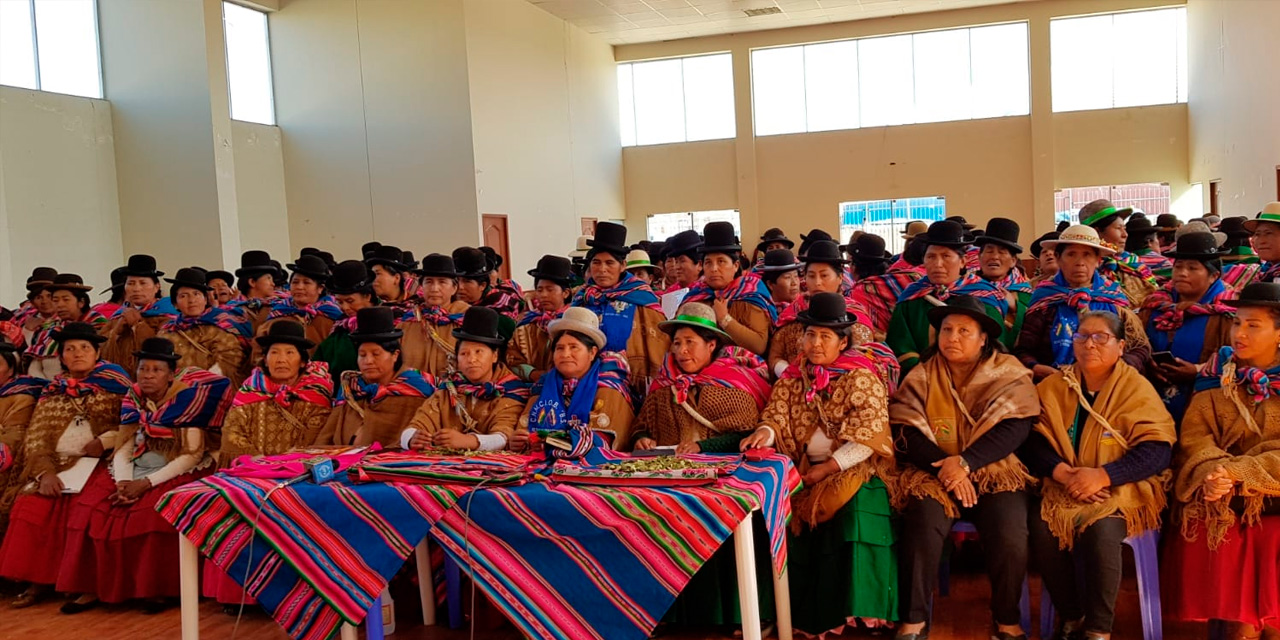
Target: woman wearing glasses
column 1102, row 446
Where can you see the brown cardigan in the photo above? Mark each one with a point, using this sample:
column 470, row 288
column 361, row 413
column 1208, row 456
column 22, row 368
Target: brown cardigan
column 429, row 348
column 261, row 428
column 359, row 424
column 15, row 415
column 123, row 340
column 52, row 416
column 205, row 346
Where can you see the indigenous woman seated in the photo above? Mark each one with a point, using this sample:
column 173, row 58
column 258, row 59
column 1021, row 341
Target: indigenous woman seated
column 141, row 314
column 1120, row 267
column 18, row 395
column 709, row 393
column 375, row 402
column 308, row 304
column 628, row 308
column 828, row 413
column 741, row 301
column 477, row 406
column 429, row 344
column 781, row 274
column 70, row 297
column 529, row 355
column 352, row 292
column 909, row 335
column 283, row 404
column 1187, row 320
column 1142, row 241
column 823, row 273
column 476, row 284
column 1046, row 261
column 118, row 548
column 78, row 416
column 958, row 419
column 197, row 337
column 1102, row 446
column 1046, row 341
column 875, row 286
column 1227, row 483
column 586, row 388
column 389, row 278
column 998, row 281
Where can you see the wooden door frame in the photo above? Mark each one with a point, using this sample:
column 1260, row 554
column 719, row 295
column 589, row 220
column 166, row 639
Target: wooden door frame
column 505, row 250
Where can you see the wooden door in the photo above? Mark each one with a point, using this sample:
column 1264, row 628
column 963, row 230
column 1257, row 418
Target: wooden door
column 495, row 236
column 1214, row 189
column 589, row 227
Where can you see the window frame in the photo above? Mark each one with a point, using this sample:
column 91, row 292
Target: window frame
column 632, row 139
column 226, row 59
column 35, row 50
column 1181, row 61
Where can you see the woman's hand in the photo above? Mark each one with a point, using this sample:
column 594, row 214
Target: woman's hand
column 819, row 472
column 645, row 444
column 965, row 493
column 721, row 307
column 94, row 448
column 518, row 440
column 1086, row 482
column 758, row 439
column 454, row 439
column 1180, row 373
column 420, row 441
column 131, row 316
column 688, row 447
column 51, row 485
column 130, row 490
column 1042, row 371
column 950, row 471
column 1218, row 484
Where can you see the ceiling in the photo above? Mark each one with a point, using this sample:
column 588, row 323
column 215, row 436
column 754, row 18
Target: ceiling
column 632, row 21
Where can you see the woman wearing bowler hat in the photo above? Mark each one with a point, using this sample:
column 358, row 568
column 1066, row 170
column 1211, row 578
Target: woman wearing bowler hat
column 1189, row 317
column 429, row 327
column 529, row 354
column 1121, row 267
column 18, row 395
column 824, row 272
column 629, row 310
column 197, row 337
column 140, row 315
column 70, row 297
column 308, row 303
column 477, row 406
column 352, row 290
column 998, row 281
column 1143, row 241
column 876, row 285
column 781, row 274
column 741, row 300
column 377, row 400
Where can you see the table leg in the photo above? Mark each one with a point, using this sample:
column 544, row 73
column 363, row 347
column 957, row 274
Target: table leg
column 189, row 587
column 748, row 590
column 348, row 632
column 782, row 598
column 426, row 585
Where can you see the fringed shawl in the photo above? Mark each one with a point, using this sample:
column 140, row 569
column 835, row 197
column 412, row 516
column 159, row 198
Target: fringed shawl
column 197, row 399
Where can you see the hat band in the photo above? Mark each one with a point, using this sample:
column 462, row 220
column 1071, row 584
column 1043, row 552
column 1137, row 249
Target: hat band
column 710, row 324
column 639, row 263
column 1268, row 217
column 1098, row 216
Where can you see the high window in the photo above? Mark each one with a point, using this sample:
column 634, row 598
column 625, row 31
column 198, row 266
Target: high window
column 676, row 100
column 51, row 45
column 1119, row 59
column 248, row 64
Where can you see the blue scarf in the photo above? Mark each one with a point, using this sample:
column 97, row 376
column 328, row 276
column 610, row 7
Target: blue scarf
column 1100, row 295
column 617, row 307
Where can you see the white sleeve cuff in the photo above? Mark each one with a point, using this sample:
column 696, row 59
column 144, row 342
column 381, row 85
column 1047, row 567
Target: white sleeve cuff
column 491, row 441
column 851, row 454
column 780, row 367
column 773, row 435
column 406, row 436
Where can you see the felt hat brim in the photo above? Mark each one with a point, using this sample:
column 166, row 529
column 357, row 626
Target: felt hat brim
column 1012, row 246
column 461, row 336
column 266, row 341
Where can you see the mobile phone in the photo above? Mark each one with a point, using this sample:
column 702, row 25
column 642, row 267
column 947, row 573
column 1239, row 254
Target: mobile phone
column 1164, row 357
column 654, row 452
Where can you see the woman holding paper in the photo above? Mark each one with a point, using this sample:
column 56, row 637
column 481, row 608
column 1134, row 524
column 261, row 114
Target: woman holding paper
column 74, row 424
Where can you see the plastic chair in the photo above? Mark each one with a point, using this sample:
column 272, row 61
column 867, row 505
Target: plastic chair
column 944, row 579
column 373, row 622
column 453, row 592
column 1146, row 560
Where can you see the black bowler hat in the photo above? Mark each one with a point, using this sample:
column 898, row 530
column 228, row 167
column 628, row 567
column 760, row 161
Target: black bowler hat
column 1140, row 224
column 946, row 233
column 492, row 256
column 867, row 248
column 1195, row 246
column 774, row 235
column 719, row 237
column 78, row 331
column 1167, row 222
column 157, row 349
column 190, row 277
column 1234, row 227
column 437, row 265
column 287, row 331
column 375, row 324
column 685, row 243
column 118, row 279
column 367, row 249
column 1001, row 231
column 255, row 263
column 141, row 265
column 1038, row 245
column 67, row 282
column 219, row 274
column 312, row 267
column 480, row 324
column 277, row 269
column 387, row 256
column 824, row 251
column 6, row 346
column 610, row 237
column 826, row 310
column 408, row 260
column 780, row 261
column 40, row 276
column 348, row 277
column 471, row 263
column 967, row 306
column 658, row 252
column 555, row 269
column 813, row 236
column 1257, row 294
column 327, row 257
column 964, row 223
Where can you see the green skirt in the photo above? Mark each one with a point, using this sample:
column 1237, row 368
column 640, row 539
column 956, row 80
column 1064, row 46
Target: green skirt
column 846, row 567
column 711, row 597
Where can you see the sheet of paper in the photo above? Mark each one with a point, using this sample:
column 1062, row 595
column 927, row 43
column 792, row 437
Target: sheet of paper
column 671, row 302
column 74, row 479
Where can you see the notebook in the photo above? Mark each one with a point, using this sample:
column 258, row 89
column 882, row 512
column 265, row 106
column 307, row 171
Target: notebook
column 74, row 479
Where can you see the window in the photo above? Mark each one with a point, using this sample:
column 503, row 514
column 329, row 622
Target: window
column 957, row 74
column 888, row 218
column 248, row 64
column 677, row 100
column 1119, row 60
column 50, row 45
column 1151, row 198
column 664, row 225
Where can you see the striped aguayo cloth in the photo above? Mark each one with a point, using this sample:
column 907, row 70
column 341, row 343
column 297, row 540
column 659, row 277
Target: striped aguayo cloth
column 561, row 560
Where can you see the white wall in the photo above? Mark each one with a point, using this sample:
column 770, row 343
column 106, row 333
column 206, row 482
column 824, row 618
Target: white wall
column 259, row 188
column 58, row 199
